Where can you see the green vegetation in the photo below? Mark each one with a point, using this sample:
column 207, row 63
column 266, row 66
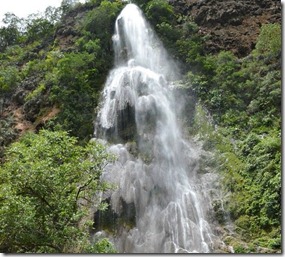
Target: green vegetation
column 72, row 80
column 49, row 180
column 244, row 99
column 62, row 58
column 48, row 184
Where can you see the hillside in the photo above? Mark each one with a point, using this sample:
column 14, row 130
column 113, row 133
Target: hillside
column 230, row 25
column 229, row 53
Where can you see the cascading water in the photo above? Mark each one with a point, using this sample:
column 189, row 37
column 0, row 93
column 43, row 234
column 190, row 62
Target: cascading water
column 156, row 172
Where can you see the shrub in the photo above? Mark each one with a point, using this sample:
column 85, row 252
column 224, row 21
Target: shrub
column 269, row 40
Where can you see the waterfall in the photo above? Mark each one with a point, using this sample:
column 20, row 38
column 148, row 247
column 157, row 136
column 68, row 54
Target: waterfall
column 158, row 200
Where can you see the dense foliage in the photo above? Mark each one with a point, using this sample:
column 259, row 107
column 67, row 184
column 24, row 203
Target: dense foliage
column 48, row 183
column 60, row 59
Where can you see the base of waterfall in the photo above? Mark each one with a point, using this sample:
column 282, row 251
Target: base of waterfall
column 135, row 225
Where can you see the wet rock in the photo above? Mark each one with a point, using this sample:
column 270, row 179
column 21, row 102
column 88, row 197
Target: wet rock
column 132, row 148
column 126, row 123
column 113, row 221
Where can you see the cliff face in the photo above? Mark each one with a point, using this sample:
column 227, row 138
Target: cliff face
column 33, row 69
column 229, row 24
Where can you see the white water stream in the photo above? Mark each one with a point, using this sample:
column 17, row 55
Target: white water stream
column 156, row 170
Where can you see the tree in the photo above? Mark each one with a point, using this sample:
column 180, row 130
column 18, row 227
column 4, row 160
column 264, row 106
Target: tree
column 100, row 22
column 52, row 14
column 10, row 34
column 75, row 92
column 39, row 29
column 48, row 183
column 67, row 5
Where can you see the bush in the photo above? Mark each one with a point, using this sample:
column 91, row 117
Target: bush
column 269, row 40
column 159, row 11
column 9, row 78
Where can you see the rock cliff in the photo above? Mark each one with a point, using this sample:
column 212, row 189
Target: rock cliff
column 229, row 24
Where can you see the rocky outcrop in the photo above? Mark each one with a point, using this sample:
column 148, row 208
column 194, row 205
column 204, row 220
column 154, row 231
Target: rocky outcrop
column 67, row 33
column 229, row 24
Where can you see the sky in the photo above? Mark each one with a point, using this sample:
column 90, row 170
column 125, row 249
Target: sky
column 23, row 8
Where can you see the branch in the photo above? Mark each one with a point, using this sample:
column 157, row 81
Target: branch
column 81, row 188
column 33, row 192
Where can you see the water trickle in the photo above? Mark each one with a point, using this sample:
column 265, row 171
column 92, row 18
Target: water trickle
column 156, row 170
